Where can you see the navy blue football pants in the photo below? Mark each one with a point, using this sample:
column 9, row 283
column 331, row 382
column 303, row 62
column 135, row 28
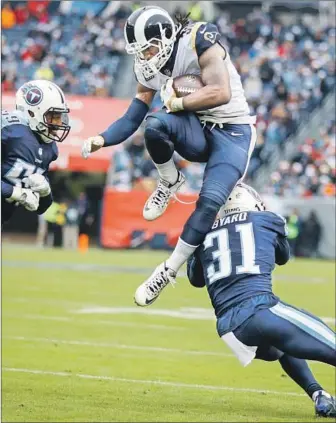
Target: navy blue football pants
column 226, row 151
column 287, row 329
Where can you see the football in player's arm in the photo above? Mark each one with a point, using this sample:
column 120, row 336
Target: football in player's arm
column 212, row 124
column 28, row 146
column 216, row 90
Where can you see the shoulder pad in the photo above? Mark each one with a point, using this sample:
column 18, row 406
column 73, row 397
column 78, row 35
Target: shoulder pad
column 203, row 36
column 12, row 118
column 277, row 223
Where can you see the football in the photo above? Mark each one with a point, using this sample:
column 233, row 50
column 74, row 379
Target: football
column 187, row 84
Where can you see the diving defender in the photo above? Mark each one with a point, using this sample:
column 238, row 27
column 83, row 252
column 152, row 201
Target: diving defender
column 235, row 262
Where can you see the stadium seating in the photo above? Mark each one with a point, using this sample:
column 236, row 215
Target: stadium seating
column 73, row 46
column 311, row 171
column 286, row 70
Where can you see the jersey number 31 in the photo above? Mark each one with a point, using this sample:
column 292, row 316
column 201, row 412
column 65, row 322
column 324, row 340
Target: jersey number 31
column 222, row 255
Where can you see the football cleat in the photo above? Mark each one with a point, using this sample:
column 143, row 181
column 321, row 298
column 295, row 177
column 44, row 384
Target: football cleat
column 148, row 291
column 325, row 405
column 158, row 202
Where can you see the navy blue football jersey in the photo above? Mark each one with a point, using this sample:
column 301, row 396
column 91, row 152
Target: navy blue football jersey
column 237, row 258
column 22, row 154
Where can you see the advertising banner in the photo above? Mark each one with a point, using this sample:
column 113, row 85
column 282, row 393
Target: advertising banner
column 123, row 226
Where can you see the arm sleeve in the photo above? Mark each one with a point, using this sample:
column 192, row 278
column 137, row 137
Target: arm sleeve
column 282, row 251
column 195, row 271
column 206, row 36
column 124, row 127
column 6, row 190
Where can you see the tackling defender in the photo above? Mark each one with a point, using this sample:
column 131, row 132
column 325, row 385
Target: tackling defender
column 211, row 125
column 235, row 263
column 28, row 146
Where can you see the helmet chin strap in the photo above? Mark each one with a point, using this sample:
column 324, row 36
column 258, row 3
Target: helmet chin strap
column 45, row 138
column 41, row 132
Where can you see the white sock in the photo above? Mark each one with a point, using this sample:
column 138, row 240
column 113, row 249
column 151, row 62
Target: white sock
column 315, row 394
column 167, row 171
column 180, row 255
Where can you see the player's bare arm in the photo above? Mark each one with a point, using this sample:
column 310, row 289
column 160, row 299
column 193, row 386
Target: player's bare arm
column 124, row 127
column 144, row 94
column 215, row 76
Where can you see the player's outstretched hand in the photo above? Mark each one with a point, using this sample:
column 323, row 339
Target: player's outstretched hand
column 25, row 197
column 91, row 145
column 38, row 183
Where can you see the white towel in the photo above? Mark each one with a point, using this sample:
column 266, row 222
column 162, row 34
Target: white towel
column 244, row 353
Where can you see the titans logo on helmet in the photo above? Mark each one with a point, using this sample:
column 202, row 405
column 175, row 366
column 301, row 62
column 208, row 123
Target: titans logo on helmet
column 33, row 96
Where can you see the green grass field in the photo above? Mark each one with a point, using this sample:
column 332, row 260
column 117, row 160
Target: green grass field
column 75, row 348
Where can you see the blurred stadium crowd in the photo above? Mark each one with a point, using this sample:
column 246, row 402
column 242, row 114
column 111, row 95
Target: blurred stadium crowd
column 311, row 171
column 286, row 71
column 70, row 43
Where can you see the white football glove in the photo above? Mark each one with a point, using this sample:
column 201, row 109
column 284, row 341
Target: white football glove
column 25, row 197
column 168, row 96
column 38, row 183
column 91, row 145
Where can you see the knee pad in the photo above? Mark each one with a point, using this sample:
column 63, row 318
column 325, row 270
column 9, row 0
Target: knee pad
column 201, row 221
column 208, row 207
column 155, row 128
column 157, row 142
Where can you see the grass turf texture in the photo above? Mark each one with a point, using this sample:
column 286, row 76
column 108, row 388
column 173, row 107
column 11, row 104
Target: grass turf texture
column 75, row 348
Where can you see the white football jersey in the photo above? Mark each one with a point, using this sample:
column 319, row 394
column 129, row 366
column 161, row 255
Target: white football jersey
column 193, row 41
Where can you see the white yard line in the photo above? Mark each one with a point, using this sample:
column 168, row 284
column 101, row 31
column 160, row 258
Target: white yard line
column 117, row 346
column 94, row 322
column 36, row 317
column 44, row 301
column 138, row 270
column 186, row 313
column 152, row 382
column 189, row 313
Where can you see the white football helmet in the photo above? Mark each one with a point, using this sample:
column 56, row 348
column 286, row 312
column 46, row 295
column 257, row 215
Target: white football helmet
column 242, row 198
column 147, row 27
column 39, row 100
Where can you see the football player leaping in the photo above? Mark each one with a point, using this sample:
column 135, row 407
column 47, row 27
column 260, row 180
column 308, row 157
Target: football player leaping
column 212, row 125
column 28, row 146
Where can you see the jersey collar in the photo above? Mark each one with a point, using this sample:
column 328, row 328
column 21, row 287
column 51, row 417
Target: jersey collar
column 167, row 69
